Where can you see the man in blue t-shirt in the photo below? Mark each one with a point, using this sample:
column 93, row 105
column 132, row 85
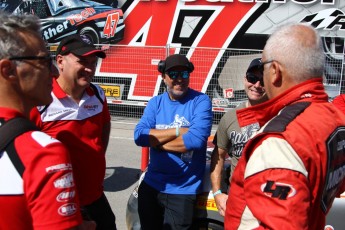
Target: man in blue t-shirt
column 175, row 125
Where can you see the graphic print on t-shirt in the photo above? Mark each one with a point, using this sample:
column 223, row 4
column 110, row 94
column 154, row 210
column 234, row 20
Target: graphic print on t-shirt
column 178, row 122
column 239, row 139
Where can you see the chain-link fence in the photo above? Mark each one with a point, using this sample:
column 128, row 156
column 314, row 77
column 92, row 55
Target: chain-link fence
column 130, row 78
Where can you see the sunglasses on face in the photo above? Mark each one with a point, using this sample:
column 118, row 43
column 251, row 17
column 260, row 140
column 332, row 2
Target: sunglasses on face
column 175, row 74
column 261, row 67
column 253, row 79
column 47, row 58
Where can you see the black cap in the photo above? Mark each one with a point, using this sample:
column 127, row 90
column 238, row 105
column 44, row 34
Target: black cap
column 79, row 45
column 178, row 60
column 255, row 64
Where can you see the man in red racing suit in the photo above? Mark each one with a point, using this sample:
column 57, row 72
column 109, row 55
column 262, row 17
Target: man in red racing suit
column 293, row 168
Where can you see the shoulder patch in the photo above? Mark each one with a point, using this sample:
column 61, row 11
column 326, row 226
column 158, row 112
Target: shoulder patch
column 288, row 114
column 275, row 189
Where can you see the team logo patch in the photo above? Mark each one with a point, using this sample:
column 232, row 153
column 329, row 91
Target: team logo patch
column 67, row 209
column 91, row 107
column 66, row 181
column 65, row 196
column 278, row 190
column 59, row 167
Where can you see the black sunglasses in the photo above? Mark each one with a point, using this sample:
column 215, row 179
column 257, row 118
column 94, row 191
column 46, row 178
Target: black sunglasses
column 175, row 74
column 253, row 79
column 261, row 66
column 46, row 58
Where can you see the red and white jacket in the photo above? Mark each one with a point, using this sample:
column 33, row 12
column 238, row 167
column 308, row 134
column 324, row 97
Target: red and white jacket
column 80, row 128
column 44, row 197
column 293, row 168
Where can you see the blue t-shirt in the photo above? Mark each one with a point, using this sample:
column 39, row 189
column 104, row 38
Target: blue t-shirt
column 167, row 172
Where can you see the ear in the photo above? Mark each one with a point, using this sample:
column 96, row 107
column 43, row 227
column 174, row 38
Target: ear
column 7, row 69
column 277, row 78
column 163, row 77
column 59, row 60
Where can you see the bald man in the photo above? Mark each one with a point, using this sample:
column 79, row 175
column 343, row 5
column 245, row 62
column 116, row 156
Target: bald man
column 292, row 169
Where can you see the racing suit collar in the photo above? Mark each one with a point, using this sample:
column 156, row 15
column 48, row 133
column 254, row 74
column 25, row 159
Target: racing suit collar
column 59, row 93
column 309, row 90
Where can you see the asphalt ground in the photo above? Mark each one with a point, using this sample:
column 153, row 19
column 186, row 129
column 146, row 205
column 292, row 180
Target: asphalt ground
column 123, row 166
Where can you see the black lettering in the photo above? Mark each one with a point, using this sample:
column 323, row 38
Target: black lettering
column 109, row 91
column 281, row 192
column 331, row 2
column 339, row 21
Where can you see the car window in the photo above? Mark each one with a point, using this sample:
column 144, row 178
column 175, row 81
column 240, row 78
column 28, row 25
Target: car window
column 37, row 7
column 59, row 5
column 3, row 4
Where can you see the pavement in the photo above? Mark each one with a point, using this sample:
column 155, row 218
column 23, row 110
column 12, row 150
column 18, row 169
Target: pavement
column 123, row 167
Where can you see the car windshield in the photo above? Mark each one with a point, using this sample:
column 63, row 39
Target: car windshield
column 59, row 5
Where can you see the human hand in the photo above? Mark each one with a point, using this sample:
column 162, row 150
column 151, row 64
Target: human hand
column 220, row 200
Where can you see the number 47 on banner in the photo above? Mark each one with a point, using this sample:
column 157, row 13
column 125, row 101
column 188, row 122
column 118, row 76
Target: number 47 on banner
column 111, row 24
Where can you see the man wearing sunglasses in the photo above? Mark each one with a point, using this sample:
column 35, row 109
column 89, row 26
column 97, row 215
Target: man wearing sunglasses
column 79, row 117
column 293, row 168
column 37, row 188
column 176, row 126
column 230, row 138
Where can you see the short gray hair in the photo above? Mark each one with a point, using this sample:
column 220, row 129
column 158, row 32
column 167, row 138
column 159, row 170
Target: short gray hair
column 302, row 56
column 11, row 44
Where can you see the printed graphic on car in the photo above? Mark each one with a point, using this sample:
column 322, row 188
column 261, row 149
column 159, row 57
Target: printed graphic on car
column 60, row 18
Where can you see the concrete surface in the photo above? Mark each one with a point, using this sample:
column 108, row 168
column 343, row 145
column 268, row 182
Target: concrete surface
column 123, row 167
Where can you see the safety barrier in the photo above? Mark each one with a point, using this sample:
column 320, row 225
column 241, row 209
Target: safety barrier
column 130, row 78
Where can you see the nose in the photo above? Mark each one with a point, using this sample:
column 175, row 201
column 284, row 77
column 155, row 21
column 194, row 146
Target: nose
column 88, row 69
column 179, row 78
column 90, row 66
column 259, row 83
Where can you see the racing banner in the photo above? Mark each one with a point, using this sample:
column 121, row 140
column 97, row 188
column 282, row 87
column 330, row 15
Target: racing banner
column 191, row 26
column 220, row 37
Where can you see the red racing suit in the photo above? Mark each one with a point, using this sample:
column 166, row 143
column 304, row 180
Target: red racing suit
column 44, row 197
column 339, row 102
column 293, row 168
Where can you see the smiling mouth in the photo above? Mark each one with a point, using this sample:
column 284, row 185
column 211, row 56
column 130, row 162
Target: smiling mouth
column 179, row 84
column 179, row 87
column 86, row 77
column 257, row 92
